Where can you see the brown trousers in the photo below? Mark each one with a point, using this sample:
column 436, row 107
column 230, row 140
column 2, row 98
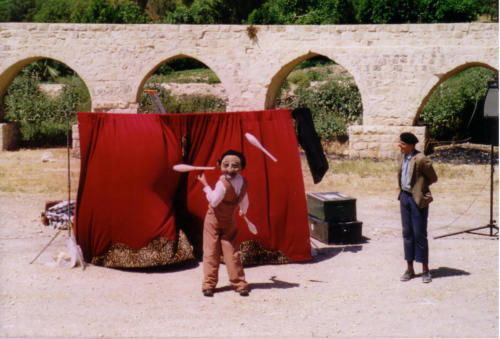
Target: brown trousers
column 220, row 235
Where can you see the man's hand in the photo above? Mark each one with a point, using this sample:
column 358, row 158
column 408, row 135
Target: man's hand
column 201, row 178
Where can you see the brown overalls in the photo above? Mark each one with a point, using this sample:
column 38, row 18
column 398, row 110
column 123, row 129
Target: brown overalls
column 220, row 233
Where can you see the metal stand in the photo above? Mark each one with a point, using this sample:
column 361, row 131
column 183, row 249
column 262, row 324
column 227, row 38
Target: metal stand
column 155, row 99
column 66, row 113
column 492, row 224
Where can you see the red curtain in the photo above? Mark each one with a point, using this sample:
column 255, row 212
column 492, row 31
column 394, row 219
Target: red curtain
column 128, row 192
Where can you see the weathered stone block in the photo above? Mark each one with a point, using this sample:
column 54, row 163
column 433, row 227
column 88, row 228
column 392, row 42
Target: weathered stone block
column 9, row 136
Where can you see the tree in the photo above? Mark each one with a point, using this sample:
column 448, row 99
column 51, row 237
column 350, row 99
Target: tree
column 236, row 11
column 303, row 12
column 48, row 70
column 53, row 11
column 158, row 9
column 424, row 11
column 200, row 12
column 433, row 11
column 489, row 8
column 102, row 11
column 386, row 11
column 16, row 10
column 329, row 12
column 99, row 11
column 128, row 12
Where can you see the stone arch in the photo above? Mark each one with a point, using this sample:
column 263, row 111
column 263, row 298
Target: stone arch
column 280, row 76
column 10, row 72
column 438, row 79
column 148, row 72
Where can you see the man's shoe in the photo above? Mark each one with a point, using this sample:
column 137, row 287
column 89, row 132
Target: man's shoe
column 409, row 274
column 208, row 293
column 244, row 293
column 426, row 277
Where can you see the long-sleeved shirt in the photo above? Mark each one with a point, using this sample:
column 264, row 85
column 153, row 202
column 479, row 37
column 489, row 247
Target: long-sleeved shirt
column 405, row 172
column 215, row 196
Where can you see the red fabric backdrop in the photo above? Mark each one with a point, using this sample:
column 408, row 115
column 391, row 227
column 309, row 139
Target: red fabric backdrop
column 128, row 192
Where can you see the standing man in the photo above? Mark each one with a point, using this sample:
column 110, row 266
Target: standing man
column 415, row 176
column 219, row 228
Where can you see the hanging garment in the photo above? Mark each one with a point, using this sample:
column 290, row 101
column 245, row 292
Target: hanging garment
column 311, row 143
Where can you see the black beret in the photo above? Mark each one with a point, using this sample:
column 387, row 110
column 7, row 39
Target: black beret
column 408, row 138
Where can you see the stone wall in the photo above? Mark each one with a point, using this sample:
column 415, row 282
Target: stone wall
column 381, row 141
column 395, row 67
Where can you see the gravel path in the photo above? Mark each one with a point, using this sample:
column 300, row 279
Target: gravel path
column 346, row 291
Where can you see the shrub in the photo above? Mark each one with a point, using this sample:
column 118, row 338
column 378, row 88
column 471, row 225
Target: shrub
column 75, row 95
column 450, row 107
column 299, row 78
column 41, row 120
column 334, row 106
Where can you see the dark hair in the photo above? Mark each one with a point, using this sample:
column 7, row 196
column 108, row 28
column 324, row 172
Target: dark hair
column 408, row 138
column 233, row 152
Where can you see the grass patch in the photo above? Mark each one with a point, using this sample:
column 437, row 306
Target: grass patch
column 199, row 75
column 363, row 168
column 366, row 176
column 24, row 171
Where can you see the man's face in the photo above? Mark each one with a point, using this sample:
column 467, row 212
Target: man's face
column 230, row 166
column 406, row 148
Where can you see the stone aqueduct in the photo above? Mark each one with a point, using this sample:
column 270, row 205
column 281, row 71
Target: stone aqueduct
column 396, row 67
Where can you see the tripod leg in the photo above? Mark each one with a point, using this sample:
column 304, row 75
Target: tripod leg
column 43, row 249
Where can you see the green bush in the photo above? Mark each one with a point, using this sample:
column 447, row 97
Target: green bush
column 75, row 95
column 302, row 12
column 40, row 118
column 434, row 11
column 334, row 106
column 199, row 12
column 299, row 78
column 450, row 107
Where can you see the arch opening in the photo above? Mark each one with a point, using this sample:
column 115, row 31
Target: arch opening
column 35, row 94
column 327, row 89
column 453, row 109
column 184, row 85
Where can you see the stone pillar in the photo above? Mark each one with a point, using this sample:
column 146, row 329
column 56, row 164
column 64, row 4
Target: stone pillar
column 9, row 136
column 381, row 141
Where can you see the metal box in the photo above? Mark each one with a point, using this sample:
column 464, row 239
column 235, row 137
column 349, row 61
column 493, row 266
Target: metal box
column 331, row 206
column 349, row 232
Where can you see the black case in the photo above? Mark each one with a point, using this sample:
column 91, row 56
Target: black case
column 331, row 206
column 348, row 232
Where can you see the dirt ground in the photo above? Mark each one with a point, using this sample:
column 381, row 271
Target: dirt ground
column 345, row 291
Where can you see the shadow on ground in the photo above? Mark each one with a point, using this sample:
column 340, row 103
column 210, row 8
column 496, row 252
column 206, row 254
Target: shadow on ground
column 443, row 272
column 329, row 251
column 182, row 266
column 274, row 283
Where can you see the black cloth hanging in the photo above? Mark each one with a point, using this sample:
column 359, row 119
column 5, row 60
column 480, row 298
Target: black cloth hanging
column 310, row 142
